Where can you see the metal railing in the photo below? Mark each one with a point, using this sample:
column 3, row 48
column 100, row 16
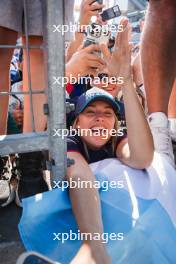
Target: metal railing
column 55, row 108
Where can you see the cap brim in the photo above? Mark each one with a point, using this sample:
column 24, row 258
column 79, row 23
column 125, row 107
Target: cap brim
column 104, row 98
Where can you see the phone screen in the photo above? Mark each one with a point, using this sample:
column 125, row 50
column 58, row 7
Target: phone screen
column 110, row 13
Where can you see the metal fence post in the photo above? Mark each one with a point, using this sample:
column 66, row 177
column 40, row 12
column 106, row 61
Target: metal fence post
column 56, row 93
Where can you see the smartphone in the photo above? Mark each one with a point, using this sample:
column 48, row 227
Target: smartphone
column 34, row 258
column 97, row 34
column 111, row 13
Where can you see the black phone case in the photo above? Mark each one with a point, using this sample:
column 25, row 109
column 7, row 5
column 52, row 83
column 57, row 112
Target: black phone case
column 111, row 13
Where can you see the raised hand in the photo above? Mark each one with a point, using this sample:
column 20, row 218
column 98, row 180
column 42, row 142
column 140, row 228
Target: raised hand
column 119, row 61
column 88, row 9
column 85, row 62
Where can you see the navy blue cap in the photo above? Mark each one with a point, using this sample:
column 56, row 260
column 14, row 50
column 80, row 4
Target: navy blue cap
column 92, row 95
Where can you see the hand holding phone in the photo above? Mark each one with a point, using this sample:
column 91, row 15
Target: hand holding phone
column 88, row 9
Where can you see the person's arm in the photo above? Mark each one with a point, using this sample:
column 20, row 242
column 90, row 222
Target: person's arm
column 88, row 9
column 86, row 207
column 137, row 70
column 138, row 151
column 74, row 45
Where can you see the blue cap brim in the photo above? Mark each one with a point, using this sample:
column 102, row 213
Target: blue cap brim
column 104, row 98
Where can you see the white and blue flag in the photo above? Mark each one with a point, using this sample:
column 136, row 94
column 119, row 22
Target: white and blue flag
column 144, row 211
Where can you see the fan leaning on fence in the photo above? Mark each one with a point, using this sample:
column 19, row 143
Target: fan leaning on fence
column 97, row 110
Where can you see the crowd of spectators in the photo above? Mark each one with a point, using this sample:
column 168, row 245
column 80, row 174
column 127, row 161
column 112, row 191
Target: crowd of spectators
column 124, row 105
